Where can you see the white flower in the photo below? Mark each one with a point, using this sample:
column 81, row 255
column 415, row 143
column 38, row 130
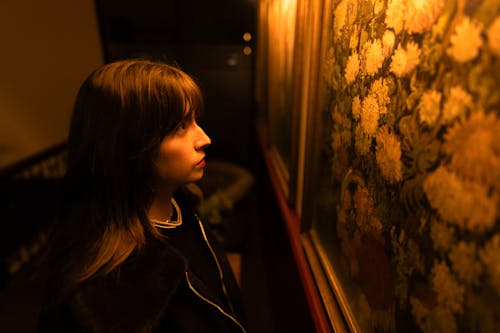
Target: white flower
column 373, row 56
column 381, row 91
column 456, row 105
column 463, row 203
column 352, row 68
column 344, row 15
column 404, row 61
column 421, row 14
column 442, row 235
column 388, row 155
column 370, row 114
column 466, row 40
column 429, row 107
column 473, row 146
column 464, row 261
column 450, row 293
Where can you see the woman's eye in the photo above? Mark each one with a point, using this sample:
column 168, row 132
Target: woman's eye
column 184, row 125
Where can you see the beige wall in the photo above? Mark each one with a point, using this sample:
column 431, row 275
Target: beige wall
column 46, row 50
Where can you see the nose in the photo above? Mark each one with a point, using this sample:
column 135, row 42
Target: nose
column 203, row 139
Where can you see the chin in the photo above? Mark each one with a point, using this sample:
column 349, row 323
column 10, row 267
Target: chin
column 199, row 175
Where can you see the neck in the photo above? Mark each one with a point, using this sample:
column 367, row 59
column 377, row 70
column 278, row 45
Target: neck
column 160, row 208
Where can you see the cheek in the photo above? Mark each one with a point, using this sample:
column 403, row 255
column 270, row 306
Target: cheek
column 170, row 165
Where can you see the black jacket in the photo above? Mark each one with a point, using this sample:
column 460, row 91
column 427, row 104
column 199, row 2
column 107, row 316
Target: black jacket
column 154, row 290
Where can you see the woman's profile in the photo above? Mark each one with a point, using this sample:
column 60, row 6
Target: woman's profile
column 128, row 252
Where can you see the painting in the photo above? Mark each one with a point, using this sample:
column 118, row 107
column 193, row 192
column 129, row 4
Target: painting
column 403, row 191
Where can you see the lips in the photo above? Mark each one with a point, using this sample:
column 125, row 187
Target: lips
column 201, row 164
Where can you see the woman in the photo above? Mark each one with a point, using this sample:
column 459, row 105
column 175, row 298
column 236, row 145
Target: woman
column 129, row 253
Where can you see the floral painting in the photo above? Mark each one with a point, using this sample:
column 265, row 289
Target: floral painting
column 409, row 204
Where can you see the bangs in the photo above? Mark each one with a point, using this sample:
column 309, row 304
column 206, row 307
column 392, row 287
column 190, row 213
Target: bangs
column 193, row 101
column 183, row 99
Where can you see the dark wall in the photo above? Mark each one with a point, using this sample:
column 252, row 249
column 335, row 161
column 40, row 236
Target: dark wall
column 217, row 21
column 205, row 39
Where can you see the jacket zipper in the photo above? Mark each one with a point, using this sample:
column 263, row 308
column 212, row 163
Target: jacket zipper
column 213, row 304
column 219, row 268
column 221, row 276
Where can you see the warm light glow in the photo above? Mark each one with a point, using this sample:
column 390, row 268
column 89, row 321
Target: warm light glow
column 247, row 36
column 286, row 5
column 247, row 50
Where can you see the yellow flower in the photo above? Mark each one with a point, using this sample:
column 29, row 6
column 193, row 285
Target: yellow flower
column 373, row 56
column 378, row 6
column 450, row 293
column 441, row 320
column 370, row 114
column 465, row 204
column 419, row 311
column 435, row 320
column 474, row 147
column 388, row 154
column 395, row 14
column 466, row 40
column 494, row 36
column 344, row 14
column 463, row 258
column 490, row 256
column 443, row 236
column 421, row 14
column 429, row 107
column 456, row 104
column 405, row 60
column 356, row 107
column 388, row 41
column 381, row 91
column 340, row 17
column 352, row 68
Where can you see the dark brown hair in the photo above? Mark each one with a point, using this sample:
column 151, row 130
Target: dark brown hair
column 122, row 112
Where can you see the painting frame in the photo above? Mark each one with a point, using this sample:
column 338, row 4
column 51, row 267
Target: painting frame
column 277, row 90
column 341, row 317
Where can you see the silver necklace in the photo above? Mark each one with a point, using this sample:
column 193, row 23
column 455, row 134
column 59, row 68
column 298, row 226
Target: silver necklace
column 168, row 223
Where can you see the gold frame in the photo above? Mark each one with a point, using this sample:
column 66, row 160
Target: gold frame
column 276, row 89
column 337, row 306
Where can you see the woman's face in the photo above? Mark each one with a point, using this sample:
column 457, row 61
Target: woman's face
column 181, row 155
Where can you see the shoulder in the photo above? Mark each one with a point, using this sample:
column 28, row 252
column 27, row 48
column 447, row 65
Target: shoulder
column 141, row 288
